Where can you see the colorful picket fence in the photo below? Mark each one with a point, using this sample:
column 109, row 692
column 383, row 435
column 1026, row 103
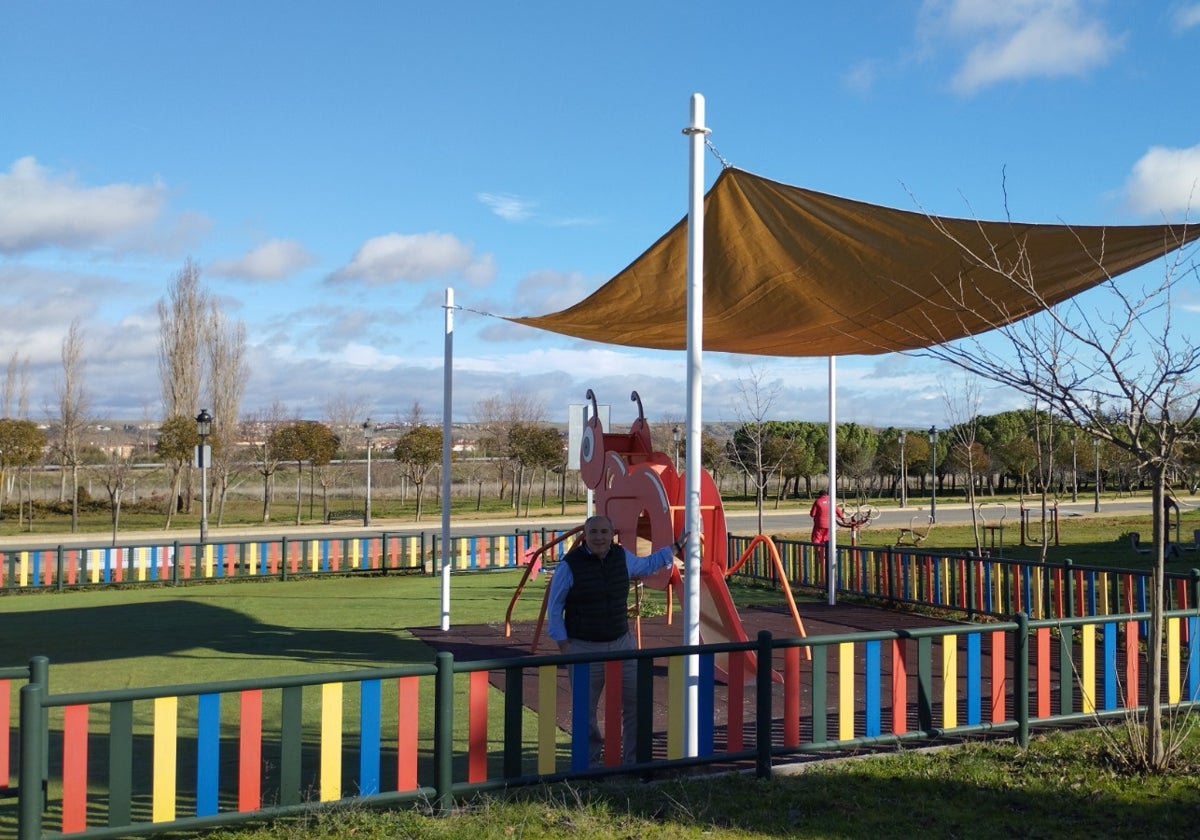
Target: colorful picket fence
column 142, row 761
column 975, row 586
column 183, row 562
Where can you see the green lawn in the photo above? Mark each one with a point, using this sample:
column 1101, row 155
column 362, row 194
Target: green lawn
column 1065, row 786
column 161, row 635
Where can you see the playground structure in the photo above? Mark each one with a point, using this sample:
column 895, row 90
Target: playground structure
column 640, row 490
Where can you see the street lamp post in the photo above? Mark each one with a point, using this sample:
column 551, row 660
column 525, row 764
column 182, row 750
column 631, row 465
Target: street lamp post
column 675, row 438
column 203, row 429
column 369, row 434
column 933, row 471
column 1074, row 469
column 1096, row 481
column 903, row 471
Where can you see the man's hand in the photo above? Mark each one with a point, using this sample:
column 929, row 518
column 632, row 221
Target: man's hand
column 681, row 543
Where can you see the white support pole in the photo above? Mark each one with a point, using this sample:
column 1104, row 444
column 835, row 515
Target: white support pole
column 447, row 446
column 831, row 549
column 695, row 343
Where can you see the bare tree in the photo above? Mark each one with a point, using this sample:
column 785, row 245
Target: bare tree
column 184, row 333
column 963, row 404
column 1110, row 363
column 759, row 448
column 257, row 433
column 16, row 388
column 496, row 417
column 115, row 473
column 227, row 377
column 347, row 417
column 73, row 407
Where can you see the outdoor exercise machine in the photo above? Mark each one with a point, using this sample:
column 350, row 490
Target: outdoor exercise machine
column 993, row 527
column 1027, row 519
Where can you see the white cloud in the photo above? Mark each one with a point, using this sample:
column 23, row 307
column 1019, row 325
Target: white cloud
column 1187, row 16
column 1020, row 39
column 548, row 291
column 41, row 210
column 511, row 208
column 397, row 257
column 273, row 260
column 1165, row 181
column 861, row 77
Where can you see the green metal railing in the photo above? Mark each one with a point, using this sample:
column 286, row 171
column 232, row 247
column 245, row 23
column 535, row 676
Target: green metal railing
column 152, row 760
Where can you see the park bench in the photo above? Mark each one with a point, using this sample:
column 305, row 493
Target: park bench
column 335, row 515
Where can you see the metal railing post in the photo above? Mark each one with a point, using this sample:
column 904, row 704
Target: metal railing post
column 1021, row 700
column 39, row 674
column 763, row 722
column 30, row 796
column 443, row 734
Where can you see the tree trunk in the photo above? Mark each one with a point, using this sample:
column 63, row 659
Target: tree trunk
column 1155, row 748
column 115, row 509
column 266, row 509
column 299, row 489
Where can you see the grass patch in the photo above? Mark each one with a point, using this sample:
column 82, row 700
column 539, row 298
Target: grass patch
column 1062, row 787
column 160, row 635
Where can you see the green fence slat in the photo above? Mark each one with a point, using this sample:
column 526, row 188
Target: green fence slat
column 925, row 683
column 820, row 704
column 514, row 708
column 120, row 763
column 291, row 744
column 1066, row 672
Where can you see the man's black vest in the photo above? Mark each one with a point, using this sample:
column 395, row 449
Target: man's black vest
column 597, row 606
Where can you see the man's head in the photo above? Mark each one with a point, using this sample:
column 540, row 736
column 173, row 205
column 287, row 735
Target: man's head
column 598, row 534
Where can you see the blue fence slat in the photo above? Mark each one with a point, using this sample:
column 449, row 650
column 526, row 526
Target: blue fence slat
column 974, row 679
column 872, row 694
column 208, row 754
column 370, row 705
column 1110, row 665
column 706, row 705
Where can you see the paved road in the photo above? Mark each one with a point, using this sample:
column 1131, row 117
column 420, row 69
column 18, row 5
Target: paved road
column 739, row 522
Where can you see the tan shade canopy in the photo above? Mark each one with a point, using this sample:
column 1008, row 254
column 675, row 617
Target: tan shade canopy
column 792, row 272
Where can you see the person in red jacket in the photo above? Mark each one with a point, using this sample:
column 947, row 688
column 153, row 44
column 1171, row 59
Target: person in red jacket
column 820, row 516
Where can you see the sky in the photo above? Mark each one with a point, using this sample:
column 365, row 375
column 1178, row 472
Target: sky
column 333, row 168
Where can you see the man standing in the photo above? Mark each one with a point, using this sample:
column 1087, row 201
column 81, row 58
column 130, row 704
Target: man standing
column 589, row 613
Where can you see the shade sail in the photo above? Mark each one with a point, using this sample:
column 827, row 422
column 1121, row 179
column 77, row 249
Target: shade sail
column 793, row 272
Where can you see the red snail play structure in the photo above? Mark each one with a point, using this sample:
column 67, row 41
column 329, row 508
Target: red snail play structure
column 640, row 490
